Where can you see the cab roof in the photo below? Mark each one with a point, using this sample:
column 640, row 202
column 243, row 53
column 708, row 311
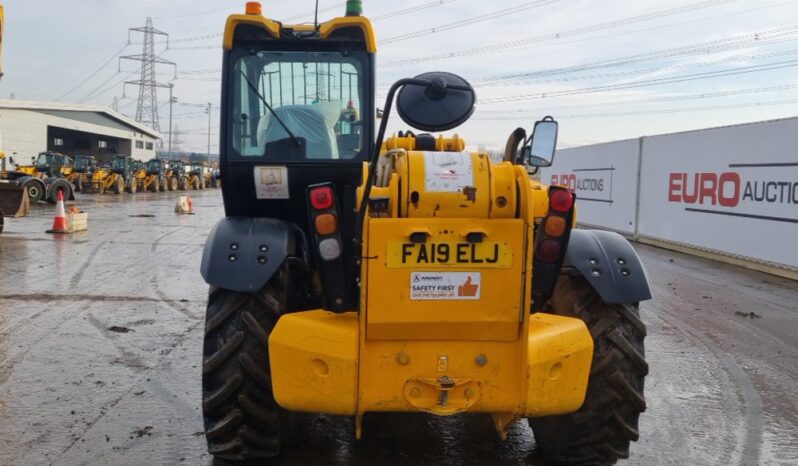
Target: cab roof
column 325, row 29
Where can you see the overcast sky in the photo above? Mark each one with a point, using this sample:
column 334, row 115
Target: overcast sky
column 606, row 69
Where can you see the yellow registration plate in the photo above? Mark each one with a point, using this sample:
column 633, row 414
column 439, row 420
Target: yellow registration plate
column 449, row 254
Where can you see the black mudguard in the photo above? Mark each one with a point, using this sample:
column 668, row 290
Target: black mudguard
column 236, row 248
column 610, row 264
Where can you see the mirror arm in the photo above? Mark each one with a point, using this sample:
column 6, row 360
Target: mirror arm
column 375, row 156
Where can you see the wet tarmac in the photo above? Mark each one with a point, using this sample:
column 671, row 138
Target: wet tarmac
column 100, row 353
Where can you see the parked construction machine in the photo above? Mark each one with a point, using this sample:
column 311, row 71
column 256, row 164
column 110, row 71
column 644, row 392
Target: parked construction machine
column 139, row 174
column 178, row 176
column 125, row 167
column 118, row 176
column 45, row 177
column 156, row 176
column 82, row 172
column 13, row 196
column 357, row 273
column 197, row 176
column 14, row 201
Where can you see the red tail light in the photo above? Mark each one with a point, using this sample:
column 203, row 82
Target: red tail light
column 561, row 200
column 548, row 251
column 321, row 198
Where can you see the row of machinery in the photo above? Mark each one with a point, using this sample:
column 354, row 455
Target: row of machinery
column 124, row 174
column 52, row 172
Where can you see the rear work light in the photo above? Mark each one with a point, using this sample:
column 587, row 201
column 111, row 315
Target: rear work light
column 561, row 200
column 329, row 249
column 321, row 198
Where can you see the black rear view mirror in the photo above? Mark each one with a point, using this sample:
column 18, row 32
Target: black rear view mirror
column 539, row 151
column 445, row 102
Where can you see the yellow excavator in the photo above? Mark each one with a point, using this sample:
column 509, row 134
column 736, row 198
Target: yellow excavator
column 13, row 199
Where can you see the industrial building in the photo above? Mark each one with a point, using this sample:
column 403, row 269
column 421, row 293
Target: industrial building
column 28, row 128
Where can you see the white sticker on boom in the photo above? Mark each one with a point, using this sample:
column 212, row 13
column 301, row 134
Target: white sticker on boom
column 271, row 183
column 445, row 285
column 448, row 172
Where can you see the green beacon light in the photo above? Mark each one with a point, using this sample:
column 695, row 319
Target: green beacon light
column 354, row 7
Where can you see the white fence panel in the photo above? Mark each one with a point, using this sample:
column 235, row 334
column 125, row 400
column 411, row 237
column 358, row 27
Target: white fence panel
column 604, row 177
column 732, row 189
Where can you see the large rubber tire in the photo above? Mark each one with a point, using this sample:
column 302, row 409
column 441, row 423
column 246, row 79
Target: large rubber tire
column 36, row 190
column 601, row 430
column 119, row 186
column 242, row 420
column 133, row 186
column 59, row 184
column 2, row 221
column 173, row 184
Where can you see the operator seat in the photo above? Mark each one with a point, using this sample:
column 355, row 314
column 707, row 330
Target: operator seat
column 306, row 122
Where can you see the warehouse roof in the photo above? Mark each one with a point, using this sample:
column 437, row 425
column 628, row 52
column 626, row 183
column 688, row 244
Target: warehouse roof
column 95, row 114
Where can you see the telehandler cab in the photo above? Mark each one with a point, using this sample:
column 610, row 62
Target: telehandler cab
column 356, row 273
column 83, row 171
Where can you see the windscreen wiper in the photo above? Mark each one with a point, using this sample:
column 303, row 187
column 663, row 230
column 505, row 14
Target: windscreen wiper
column 254, row 88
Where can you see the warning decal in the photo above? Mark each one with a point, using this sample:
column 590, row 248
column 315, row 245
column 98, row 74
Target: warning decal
column 445, row 285
column 448, row 172
column 271, row 183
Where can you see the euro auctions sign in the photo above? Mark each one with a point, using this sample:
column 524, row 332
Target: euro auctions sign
column 743, row 189
column 732, row 189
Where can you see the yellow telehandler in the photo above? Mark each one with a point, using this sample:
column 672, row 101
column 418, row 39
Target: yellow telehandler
column 111, row 176
column 82, row 172
column 44, row 178
column 356, row 272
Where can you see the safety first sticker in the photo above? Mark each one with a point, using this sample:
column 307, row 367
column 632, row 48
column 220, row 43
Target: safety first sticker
column 445, row 285
column 448, row 172
column 271, row 183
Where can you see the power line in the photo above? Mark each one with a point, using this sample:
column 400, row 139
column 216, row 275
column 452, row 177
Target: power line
column 720, row 45
column 470, row 21
column 94, row 73
column 654, row 100
column 337, row 6
column 97, row 92
column 651, row 82
column 198, row 13
column 412, row 9
column 630, row 73
column 557, row 36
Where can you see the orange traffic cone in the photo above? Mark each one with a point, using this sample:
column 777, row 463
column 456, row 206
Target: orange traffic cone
column 60, row 220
